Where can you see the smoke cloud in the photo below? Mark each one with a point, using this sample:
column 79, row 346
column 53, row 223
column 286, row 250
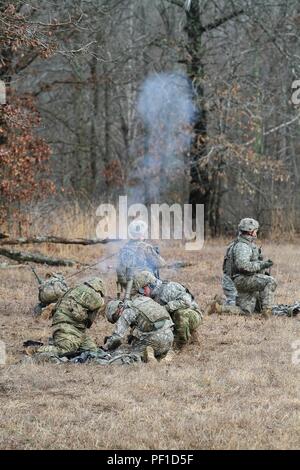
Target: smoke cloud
column 165, row 105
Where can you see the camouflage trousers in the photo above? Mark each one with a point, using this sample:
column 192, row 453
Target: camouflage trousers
column 68, row 339
column 161, row 341
column 229, row 290
column 255, row 292
column 186, row 321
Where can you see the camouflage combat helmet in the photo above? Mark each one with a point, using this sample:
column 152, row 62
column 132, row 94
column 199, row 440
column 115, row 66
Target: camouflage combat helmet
column 97, row 284
column 248, row 225
column 111, row 309
column 144, row 278
column 137, row 228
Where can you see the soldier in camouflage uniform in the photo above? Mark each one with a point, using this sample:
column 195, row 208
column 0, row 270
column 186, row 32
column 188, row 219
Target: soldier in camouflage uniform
column 73, row 314
column 151, row 335
column 246, row 284
column 137, row 255
column 177, row 299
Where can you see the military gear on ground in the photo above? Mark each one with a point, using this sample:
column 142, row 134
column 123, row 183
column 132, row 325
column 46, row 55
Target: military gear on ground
column 137, row 228
column 97, row 284
column 52, row 289
column 286, row 310
column 248, row 225
column 98, row 357
column 279, row 310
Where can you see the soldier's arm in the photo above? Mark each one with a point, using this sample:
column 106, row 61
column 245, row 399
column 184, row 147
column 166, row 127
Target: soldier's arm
column 242, row 256
column 175, row 296
column 95, row 304
column 126, row 320
column 184, row 301
column 154, row 259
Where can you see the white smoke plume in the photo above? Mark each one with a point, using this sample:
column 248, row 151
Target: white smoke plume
column 166, row 107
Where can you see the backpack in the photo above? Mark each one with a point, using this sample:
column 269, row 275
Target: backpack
column 228, row 262
column 153, row 315
column 52, row 289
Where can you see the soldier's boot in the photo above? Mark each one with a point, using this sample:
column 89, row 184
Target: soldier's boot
column 229, row 310
column 148, row 355
column 266, row 312
column 214, row 306
column 30, row 350
column 47, row 312
column 195, row 337
column 168, row 357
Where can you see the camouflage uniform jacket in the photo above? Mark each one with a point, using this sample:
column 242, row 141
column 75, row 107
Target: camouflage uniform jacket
column 79, row 307
column 133, row 318
column 135, row 256
column 173, row 296
column 247, row 258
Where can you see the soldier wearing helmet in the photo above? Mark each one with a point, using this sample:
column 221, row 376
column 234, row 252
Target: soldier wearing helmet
column 152, row 335
column 247, row 285
column 177, row 299
column 137, row 255
column 73, row 314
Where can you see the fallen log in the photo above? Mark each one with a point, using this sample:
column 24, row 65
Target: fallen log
column 12, row 266
column 22, row 256
column 53, row 239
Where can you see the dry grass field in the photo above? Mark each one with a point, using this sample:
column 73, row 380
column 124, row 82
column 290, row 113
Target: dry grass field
column 237, row 389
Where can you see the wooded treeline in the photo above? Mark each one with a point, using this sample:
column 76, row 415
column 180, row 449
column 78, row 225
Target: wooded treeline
column 71, row 131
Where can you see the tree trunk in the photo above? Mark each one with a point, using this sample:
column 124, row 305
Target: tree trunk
column 200, row 184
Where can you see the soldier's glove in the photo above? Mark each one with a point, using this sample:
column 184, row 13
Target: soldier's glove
column 130, row 339
column 266, row 264
column 88, row 323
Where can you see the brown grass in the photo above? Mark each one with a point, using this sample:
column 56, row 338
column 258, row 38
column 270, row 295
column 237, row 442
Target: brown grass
column 236, row 389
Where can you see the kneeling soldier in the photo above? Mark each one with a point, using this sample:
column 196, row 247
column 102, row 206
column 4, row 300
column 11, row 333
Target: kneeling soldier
column 73, row 314
column 152, row 335
column 177, row 299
